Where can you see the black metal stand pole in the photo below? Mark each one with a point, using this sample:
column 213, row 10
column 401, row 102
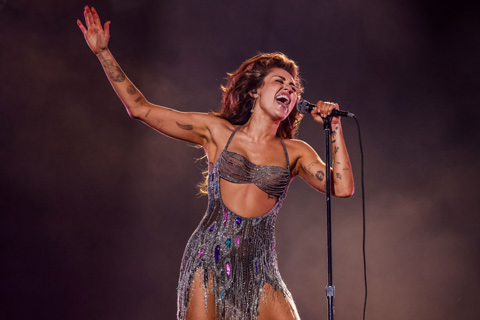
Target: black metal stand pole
column 327, row 126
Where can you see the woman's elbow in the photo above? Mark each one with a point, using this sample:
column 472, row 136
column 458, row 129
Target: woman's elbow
column 345, row 192
column 134, row 112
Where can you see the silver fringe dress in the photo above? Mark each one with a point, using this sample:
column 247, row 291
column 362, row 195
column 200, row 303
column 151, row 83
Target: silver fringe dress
column 235, row 254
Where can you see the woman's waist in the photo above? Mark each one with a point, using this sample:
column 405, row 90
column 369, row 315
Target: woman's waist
column 213, row 249
column 219, row 219
column 247, row 201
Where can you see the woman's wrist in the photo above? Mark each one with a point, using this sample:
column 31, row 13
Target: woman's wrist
column 101, row 55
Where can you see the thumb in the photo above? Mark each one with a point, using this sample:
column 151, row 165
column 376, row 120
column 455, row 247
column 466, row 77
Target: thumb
column 107, row 28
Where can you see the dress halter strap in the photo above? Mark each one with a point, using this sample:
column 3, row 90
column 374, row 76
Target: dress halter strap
column 286, row 153
column 231, row 136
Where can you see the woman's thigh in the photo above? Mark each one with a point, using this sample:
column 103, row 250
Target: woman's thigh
column 197, row 309
column 275, row 306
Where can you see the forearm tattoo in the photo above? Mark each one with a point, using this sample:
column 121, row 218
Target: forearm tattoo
column 334, row 134
column 339, row 176
column 185, row 126
column 138, row 99
column 131, row 90
column 336, row 149
column 114, row 71
column 148, row 112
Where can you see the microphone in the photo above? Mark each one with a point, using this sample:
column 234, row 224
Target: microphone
column 303, row 106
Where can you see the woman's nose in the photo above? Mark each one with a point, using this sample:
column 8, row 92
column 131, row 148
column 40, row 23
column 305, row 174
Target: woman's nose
column 288, row 88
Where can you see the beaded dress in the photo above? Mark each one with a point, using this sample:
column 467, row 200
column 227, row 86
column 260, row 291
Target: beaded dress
column 236, row 255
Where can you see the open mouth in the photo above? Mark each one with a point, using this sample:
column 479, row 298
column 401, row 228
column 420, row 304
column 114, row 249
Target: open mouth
column 284, row 100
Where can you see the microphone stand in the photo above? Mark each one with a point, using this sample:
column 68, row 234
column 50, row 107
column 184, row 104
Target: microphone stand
column 330, row 289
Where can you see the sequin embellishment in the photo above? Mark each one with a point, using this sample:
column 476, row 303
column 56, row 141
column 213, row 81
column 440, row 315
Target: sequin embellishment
column 217, row 253
column 235, row 257
column 227, row 265
column 228, row 242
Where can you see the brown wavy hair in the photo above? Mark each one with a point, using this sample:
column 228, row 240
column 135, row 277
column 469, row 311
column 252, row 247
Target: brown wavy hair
column 237, row 102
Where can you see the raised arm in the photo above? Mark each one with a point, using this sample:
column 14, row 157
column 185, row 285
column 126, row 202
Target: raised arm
column 312, row 169
column 192, row 127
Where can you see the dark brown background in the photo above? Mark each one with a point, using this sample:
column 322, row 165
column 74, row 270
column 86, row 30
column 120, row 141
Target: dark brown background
column 96, row 208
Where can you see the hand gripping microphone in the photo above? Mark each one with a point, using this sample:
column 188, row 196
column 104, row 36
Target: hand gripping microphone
column 303, row 106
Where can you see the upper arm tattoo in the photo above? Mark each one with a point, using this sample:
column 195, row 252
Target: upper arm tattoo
column 306, row 169
column 320, row 175
column 185, row 126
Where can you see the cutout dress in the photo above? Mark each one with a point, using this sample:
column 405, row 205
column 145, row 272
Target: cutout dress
column 235, row 255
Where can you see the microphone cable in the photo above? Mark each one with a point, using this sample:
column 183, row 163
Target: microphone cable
column 363, row 216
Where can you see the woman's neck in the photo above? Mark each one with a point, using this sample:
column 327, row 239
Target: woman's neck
column 260, row 128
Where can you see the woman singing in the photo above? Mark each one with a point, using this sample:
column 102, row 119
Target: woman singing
column 229, row 268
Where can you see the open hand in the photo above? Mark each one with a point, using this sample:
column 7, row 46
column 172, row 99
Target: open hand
column 96, row 36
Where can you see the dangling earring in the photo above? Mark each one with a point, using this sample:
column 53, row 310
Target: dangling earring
column 255, row 96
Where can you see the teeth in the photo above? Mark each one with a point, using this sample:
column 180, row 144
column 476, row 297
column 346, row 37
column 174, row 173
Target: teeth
column 285, row 97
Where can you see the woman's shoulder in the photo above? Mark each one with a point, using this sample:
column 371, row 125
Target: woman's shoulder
column 298, row 149
column 220, row 126
column 296, row 145
column 220, row 131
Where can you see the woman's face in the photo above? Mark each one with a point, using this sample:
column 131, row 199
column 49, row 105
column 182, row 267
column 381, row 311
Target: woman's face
column 278, row 93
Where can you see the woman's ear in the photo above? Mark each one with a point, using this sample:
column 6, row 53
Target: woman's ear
column 253, row 93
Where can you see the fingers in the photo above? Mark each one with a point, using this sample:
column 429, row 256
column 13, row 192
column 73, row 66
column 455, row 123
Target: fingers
column 91, row 17
column 107, row 29
column 81, row 26
column 92, row 20
column 325, row 108
column 96, row 18
column 86, row 14
column 316, row 115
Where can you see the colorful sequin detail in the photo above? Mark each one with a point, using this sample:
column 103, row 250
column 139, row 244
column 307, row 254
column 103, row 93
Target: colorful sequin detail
column 235, row 255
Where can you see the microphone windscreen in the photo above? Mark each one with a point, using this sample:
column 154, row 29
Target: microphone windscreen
column 303, row 107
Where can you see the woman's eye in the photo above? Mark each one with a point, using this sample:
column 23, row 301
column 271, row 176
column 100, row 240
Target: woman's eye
column 279, row 81
column 294, row 89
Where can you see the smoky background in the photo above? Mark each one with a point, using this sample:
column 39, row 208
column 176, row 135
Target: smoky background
column 96, row 208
